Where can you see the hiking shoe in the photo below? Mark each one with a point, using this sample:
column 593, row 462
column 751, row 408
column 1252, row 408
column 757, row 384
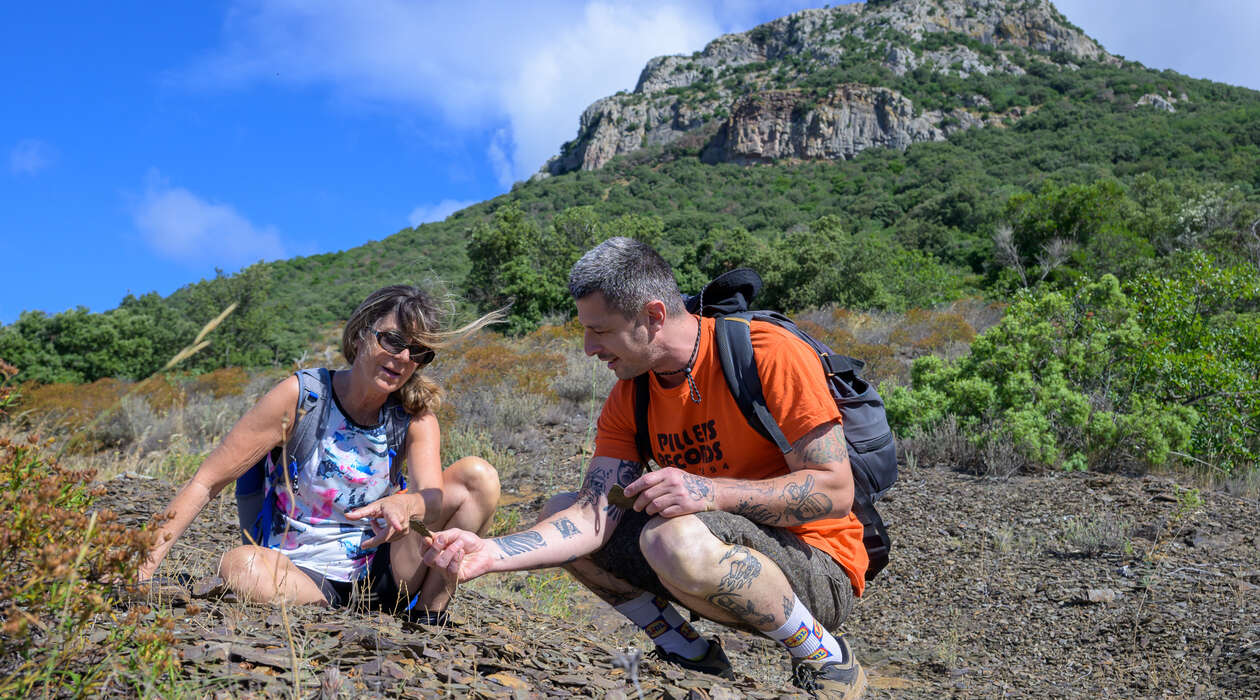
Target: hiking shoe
column 433, row 618
column 713, row 663
column 833, row 680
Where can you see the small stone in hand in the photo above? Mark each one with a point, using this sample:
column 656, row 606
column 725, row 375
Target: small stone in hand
column 617, row 496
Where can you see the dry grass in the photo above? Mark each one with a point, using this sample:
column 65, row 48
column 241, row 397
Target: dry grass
column 888, row 342
column 62, row 632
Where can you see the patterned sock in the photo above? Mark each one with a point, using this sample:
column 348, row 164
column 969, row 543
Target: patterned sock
column 654, row 615
column 806, row 639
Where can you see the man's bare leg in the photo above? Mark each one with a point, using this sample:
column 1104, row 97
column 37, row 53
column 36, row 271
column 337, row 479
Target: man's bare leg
column 651, row 613
column 734, row 584
column 730, row 584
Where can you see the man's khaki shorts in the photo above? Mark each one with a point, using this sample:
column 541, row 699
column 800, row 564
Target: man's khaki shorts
column 816, row 578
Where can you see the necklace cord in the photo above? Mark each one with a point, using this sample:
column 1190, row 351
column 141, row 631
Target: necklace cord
column 693, row 390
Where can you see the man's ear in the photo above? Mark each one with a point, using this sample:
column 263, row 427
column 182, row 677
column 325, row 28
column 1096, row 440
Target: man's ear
column 655, row 314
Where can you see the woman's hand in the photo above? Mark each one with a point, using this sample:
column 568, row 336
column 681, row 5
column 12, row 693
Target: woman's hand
column 390, row 517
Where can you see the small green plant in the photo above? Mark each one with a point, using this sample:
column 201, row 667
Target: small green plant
column 1095, row 535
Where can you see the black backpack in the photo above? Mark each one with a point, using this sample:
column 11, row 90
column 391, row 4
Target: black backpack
column 255, row 504
column 872, row 452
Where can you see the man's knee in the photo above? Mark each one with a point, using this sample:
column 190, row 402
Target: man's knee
column 679, row 548
column 557, row 503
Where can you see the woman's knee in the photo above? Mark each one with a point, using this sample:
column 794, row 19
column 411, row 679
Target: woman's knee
column 239, row 561
column 477, row 476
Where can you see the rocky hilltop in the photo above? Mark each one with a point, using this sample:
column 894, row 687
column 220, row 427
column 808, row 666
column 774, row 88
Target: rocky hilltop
column 806, row 85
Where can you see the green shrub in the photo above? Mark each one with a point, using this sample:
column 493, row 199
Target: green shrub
column 1105, row 376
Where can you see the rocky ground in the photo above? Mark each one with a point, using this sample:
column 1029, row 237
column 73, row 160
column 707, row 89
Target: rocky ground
column 1058, row 585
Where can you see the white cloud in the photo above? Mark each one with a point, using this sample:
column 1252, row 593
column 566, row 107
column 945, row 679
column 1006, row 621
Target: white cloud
column 30, row 156
column 181, row 226
column 425, row 213
column 500, row 162
column 521, row 72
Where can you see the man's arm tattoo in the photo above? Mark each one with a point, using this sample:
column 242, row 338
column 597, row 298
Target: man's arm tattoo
column 756, row 512
column 628, row 471
column 595, row 485
column 519, row 543
column 824, row 446
column 567, row 528
column 803, row 503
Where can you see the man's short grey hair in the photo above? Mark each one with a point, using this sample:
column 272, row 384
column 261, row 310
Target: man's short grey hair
column 629, row 274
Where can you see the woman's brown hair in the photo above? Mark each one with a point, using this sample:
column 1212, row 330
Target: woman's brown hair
column 420, row 318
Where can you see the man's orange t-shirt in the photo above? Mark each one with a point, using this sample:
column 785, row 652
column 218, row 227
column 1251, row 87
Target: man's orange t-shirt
column 712, row 438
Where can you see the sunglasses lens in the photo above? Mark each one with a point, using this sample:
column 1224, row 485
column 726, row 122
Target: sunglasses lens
column 392, row 342
column 395, row 344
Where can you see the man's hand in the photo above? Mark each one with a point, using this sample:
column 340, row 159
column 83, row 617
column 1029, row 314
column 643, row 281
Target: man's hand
column 671, row 492
column 390, row 517
column 459, row 554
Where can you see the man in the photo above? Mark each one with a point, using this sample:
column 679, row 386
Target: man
column 729, row 527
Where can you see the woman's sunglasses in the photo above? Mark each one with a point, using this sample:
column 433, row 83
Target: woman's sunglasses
column 393, row 343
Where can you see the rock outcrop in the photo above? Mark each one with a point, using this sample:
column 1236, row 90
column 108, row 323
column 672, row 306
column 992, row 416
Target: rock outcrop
column 1160, row 102
column 782, row 124
column 737, row 95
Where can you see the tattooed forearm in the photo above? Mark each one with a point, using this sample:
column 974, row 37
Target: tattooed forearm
column 520, row 543
column 803, row 503
column 825, row 445
column 756, row 512
column 567, row 528
column 698, row 487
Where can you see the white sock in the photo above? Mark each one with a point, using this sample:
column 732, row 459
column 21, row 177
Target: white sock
column 655, row 616
column 806, row 639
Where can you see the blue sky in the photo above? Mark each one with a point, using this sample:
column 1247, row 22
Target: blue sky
column 146, row 144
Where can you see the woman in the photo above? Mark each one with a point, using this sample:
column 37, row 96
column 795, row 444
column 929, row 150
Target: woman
column 338, row 518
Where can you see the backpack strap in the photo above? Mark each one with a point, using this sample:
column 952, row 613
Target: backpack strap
column 397, row 422
column 314, row 400
column 641, row 438
column 735, row 352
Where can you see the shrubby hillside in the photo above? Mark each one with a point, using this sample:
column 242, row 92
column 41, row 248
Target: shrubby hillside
column 883, row 156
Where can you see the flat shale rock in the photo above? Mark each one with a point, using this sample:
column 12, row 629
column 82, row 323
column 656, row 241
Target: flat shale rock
column 991, row 592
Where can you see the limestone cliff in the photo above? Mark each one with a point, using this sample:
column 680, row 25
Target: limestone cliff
column 773, row 125
column 741, row 97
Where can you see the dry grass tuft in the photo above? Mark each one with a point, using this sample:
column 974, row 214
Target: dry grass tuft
column 58, row 559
